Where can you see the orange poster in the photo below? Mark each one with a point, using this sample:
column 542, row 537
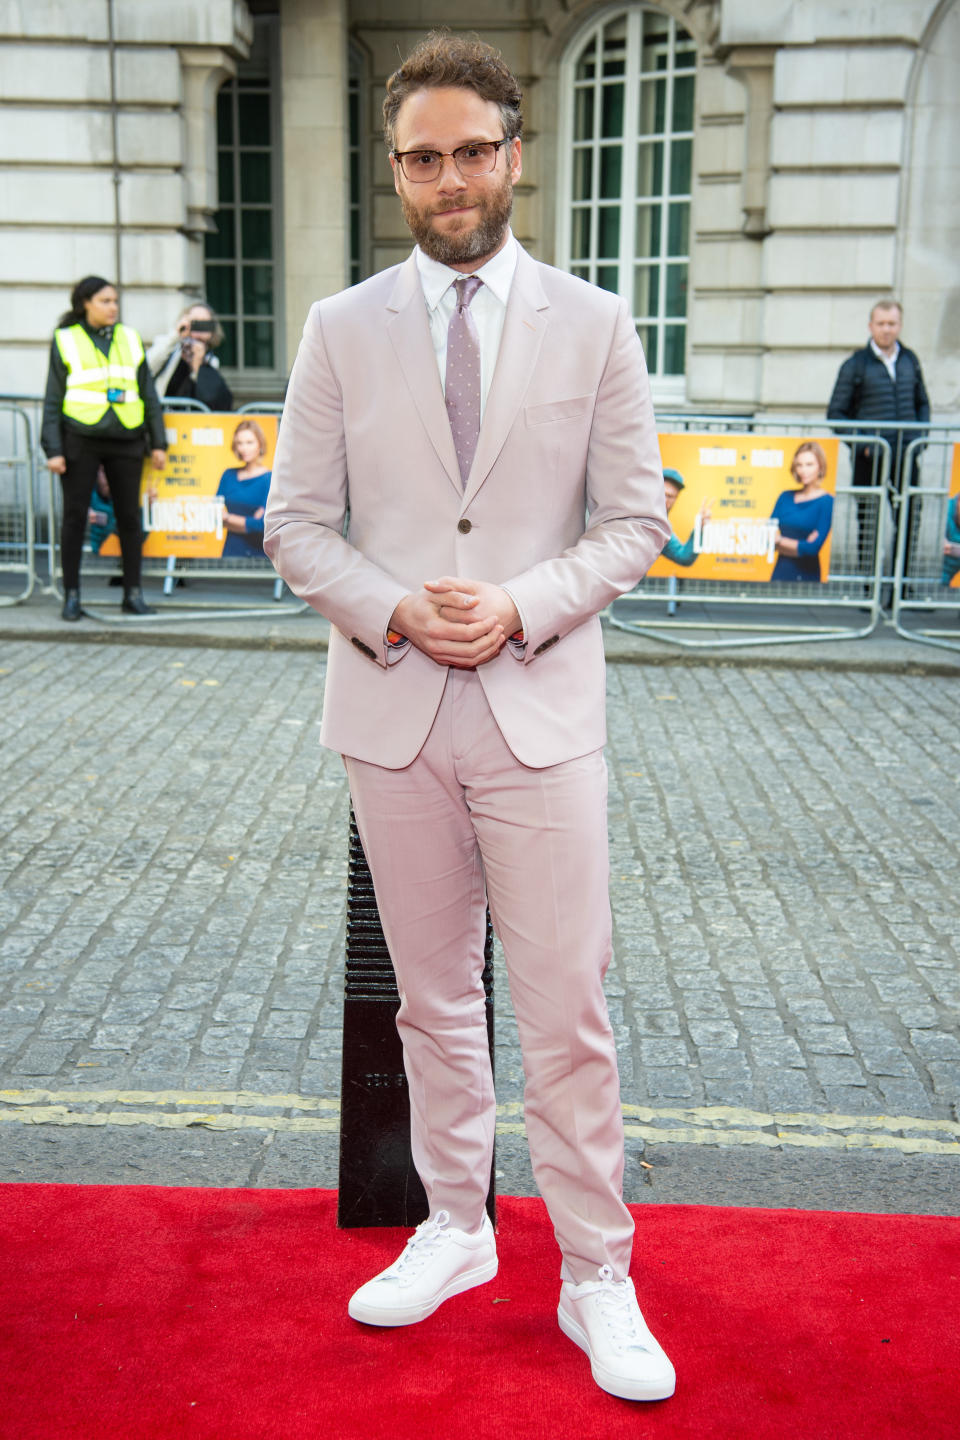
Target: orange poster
column 748, row 507
column 209, row 501
column 951, row 540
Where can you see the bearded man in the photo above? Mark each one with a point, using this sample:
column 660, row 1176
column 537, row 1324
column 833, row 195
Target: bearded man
column 471, row 407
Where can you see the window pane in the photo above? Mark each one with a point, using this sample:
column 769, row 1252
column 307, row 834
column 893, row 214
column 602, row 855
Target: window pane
column 648, row 230
column 582, row 174
column 583, row 271
column 220, row 244
column 611, row 112
column 258, row 343
column 225, row 177
column 253, row 112
column 650, row 169
column 656, row 43
column 225, row 116
column 636, row 84
column 681, row 166
column 583, row 116
column 608, row 246
column 587, row 64
column 222, row 289
column 683, row 102
column 676, row 290
column 648, row 339
column 673, row 350
column 646, row 290
column 653, row 107
column 227, row 353
column 611, row 170
column 254, row 178
column 580, row 237
column 256, row 237
column 615, row 47
column 685, row 52
column 258, row 289
column 678, row 229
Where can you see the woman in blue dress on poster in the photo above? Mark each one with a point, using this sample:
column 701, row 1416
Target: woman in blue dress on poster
column 244, row 492
column 804, row 517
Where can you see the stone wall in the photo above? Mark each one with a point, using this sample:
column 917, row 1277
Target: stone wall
column 65, row 142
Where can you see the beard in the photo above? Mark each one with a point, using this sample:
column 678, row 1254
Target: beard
column 459, row 247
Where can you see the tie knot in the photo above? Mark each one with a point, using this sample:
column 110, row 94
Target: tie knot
column 466, row 287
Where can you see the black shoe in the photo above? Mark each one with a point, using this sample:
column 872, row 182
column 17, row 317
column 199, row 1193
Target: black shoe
column 133, row 602
column 71, row 606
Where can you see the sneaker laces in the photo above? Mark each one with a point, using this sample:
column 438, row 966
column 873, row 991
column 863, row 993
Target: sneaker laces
column 420, row 1249
column 616, row 1304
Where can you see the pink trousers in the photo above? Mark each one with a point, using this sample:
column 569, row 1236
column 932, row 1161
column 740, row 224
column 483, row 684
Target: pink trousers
column 463, row 825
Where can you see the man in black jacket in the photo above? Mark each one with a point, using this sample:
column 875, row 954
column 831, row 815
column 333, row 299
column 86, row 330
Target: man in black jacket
column 881, row 382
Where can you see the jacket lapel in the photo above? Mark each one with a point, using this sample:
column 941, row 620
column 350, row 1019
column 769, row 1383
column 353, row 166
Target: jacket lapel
column 524, row 327
column 409, row 331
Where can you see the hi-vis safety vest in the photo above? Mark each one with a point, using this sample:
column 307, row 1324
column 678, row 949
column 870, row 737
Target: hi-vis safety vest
column 98, row 382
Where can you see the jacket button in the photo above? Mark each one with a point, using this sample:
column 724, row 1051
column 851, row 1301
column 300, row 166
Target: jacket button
column 464, row 527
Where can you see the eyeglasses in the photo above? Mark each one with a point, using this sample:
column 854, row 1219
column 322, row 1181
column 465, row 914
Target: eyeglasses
column 480, row 158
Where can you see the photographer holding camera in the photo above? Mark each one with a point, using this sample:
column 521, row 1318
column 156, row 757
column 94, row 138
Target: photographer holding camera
column 183, row 363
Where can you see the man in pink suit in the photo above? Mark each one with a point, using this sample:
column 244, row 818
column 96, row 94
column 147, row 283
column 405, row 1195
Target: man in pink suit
column 487, row 420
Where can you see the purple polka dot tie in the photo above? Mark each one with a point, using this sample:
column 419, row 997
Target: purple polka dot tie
column 463, row 375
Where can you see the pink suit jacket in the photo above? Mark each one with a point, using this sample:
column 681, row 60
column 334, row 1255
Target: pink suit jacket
column 563, row 505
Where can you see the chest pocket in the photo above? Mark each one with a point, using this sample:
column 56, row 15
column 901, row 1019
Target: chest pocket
column 559, row 410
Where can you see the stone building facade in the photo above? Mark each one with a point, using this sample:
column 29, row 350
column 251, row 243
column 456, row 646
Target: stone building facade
column 750, row 176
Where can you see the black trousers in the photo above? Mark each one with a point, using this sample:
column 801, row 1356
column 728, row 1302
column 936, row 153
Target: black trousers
column 122, row 461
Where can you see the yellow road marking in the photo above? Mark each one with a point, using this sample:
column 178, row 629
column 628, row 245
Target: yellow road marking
column 694, row 1125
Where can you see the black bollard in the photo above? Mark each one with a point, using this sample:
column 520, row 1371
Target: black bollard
column 378, row 1184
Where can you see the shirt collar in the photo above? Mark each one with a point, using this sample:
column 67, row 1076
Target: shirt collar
column 887, row 359
column 496, row 274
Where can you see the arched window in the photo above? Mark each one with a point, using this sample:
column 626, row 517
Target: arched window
column 625, row 224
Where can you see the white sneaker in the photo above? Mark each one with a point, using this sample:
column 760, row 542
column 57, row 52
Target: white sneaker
column 603, row 1318
column 437, row 1262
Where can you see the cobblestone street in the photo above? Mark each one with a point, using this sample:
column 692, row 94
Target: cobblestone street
column 785, row 873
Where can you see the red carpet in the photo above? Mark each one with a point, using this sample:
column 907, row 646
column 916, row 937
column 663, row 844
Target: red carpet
column 221, row 1314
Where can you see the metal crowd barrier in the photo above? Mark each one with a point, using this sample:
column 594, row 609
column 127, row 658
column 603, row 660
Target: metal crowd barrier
column 922, row 577
column 176, row 570
column 17, row 526
column 846, row 605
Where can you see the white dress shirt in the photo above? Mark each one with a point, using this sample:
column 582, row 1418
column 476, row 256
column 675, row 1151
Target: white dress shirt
column 889, row 361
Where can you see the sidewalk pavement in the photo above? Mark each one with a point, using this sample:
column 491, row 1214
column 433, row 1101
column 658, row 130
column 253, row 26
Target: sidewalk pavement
column 243, row 616
column 785, row 988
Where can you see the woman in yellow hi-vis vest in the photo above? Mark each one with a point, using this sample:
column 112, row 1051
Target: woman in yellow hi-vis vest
column 100, row 408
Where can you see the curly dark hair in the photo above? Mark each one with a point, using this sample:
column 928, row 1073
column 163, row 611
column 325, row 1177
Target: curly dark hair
column 443, row 59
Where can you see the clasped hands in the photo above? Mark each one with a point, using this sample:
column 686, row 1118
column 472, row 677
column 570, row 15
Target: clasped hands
column 463, row 623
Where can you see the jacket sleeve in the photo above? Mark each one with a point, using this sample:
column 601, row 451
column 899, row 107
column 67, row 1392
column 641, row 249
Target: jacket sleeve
column 307, row 505
column 51, row 432
column 152, row 409
column 160, row 351
column 627, row 523
column 921, row 399
column 841, row 401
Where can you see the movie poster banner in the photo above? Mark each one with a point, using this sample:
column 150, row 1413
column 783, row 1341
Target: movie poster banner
column 208, row 502
column 738, row 509
column 950, row 574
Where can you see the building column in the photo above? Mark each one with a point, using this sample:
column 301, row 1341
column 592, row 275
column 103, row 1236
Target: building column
column 313, row 51
column 204, row 70
column 753, row 65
